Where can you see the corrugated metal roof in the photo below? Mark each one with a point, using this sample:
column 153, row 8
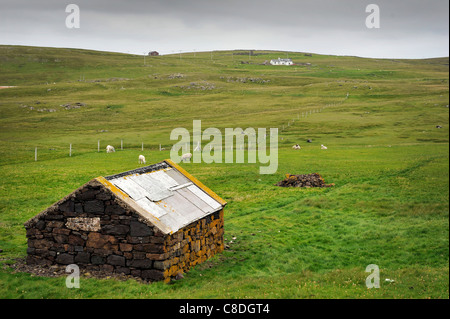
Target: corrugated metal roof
column 173, row 199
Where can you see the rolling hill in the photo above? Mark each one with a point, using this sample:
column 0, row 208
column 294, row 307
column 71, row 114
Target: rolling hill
column 385, row 122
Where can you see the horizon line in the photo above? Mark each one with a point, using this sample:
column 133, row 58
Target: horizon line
column 178, row 52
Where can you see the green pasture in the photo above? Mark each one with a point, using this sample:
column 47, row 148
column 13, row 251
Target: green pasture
column 379, row 118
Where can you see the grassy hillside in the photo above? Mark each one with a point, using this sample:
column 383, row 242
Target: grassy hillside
column 378, row 117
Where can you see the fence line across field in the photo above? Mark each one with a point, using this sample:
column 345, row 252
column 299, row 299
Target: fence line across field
column 162, row 147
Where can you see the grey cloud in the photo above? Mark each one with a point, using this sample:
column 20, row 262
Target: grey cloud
column 331, row 26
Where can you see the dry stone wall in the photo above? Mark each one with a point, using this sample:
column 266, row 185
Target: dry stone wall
column 97, row 231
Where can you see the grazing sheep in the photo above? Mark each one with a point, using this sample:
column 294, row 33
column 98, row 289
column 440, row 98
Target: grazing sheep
column 309, row 141
column 296, row 147
column 141, row 159
column 110, row 149
column 323, row 147
column 186, row 156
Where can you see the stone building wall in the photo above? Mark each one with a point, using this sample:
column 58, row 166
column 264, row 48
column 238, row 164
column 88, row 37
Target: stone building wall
column 96, row 231
column 192, row 245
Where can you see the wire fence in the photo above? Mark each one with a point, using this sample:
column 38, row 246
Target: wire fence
column 47, row 152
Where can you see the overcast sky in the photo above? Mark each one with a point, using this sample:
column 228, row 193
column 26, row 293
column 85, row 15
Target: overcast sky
column 408, row 28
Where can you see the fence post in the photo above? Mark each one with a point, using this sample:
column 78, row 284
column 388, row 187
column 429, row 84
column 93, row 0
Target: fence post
column 142, row 147
column 121, row 145
column 98, row 146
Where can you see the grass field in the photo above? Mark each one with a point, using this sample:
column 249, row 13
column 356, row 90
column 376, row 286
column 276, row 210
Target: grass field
column 388, row 160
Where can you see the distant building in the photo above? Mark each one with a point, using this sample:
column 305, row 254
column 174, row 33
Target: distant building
column 280, row 61
column 153, row 53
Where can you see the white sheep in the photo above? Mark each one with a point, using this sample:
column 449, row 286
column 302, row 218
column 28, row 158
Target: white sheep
column 110, row 149
column 141, row 159
column 186, row 156
column 323, row 147
column 296, row 147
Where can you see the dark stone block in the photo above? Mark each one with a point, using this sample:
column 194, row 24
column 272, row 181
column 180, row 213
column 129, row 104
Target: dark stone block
column 55, row 224
column 141, row 263
column 67, row 207
column 116, row 229
column 88, row 194
column 138, row 229
column 123, row 270
column 61, row 231
column 138, row 240
column 103, row 196
column 32, row 232
column 149, row 248
column 61, row 239
column 82, row 258
column 116, row 260
column 76, row 240
column 94, row 206
column 64, row 259
column 97, row 260
column 40, row 225
column 78, row 208
column 114, row 210
column 139, row 255
column 53, row 217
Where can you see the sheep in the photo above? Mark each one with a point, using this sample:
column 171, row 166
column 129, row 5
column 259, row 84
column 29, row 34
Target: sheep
column 296, row 147
column 141, row 159
column 323, row 147
column 110, row 149
column 186, row 156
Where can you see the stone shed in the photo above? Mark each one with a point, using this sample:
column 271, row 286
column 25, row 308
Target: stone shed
column 153, row 222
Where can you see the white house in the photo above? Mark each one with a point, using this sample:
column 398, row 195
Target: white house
column 280, row 61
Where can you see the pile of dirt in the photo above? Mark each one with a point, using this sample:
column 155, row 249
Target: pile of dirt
column 306, row 180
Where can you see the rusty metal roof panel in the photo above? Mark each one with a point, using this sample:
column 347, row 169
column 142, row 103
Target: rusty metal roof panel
column 171, row 196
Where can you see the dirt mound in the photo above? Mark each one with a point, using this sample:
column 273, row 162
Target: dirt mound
column 306, row 180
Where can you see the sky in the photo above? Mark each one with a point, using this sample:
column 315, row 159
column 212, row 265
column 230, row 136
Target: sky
column 407, row 28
